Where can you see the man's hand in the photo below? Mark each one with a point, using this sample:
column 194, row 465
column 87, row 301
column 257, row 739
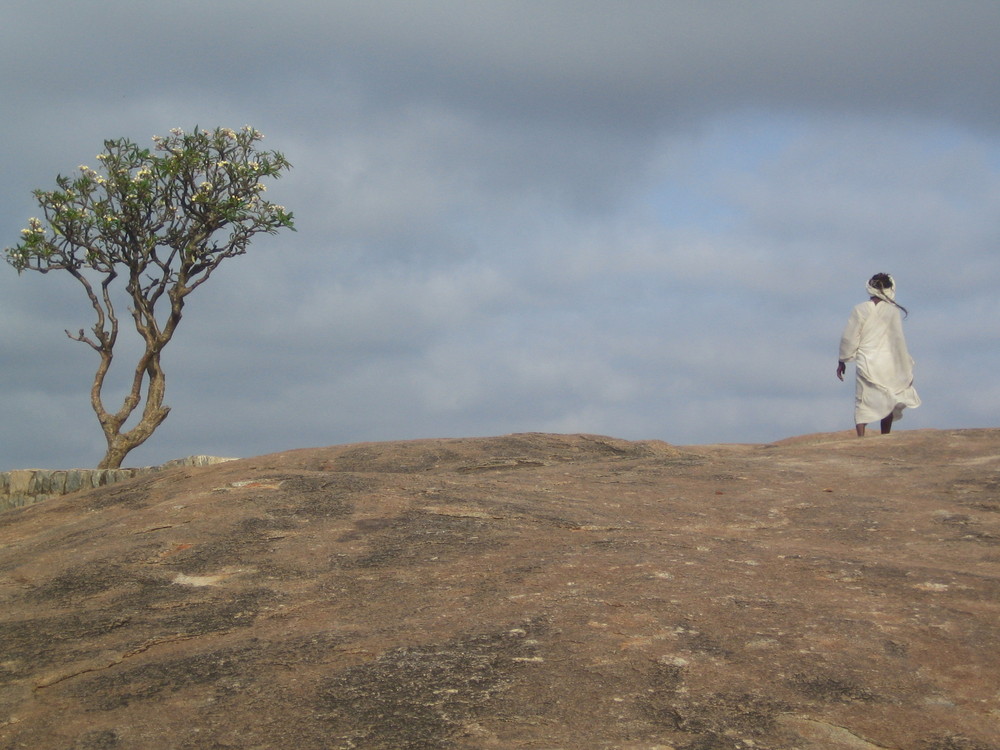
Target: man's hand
column 841, row 369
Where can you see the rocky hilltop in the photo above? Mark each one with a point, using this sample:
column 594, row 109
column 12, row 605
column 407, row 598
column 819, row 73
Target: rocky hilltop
column 527, row 591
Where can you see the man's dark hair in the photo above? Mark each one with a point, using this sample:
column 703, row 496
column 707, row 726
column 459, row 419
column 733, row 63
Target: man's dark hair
column 883, row 281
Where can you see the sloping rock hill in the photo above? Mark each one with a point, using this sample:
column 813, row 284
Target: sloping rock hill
column 528, row 591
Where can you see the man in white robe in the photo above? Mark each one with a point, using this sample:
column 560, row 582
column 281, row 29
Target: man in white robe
column 873, row 339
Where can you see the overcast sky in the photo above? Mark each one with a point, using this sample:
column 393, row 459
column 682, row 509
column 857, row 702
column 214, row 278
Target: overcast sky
column 641, row 219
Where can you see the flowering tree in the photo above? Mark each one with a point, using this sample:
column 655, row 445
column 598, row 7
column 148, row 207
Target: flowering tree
column 161, row 221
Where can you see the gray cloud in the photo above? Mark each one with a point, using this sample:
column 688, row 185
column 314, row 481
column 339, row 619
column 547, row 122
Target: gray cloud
column 647, row 219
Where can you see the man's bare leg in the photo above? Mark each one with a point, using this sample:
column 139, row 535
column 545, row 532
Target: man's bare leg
column 887, row 424
column 860, row 429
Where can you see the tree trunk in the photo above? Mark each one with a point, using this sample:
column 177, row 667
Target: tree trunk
column 114, row 457
column 121, row 443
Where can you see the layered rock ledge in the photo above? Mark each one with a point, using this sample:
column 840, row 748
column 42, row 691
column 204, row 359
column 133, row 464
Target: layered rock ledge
column 28, row 486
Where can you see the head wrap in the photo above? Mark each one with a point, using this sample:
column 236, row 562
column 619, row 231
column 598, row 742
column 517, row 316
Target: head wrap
column 889, row 295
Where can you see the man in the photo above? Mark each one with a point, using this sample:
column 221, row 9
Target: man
column 873, row 339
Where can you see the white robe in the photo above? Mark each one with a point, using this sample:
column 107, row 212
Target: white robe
column 873, row 339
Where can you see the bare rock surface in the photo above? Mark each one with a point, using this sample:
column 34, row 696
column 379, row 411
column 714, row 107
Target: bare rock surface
column 528, row 591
